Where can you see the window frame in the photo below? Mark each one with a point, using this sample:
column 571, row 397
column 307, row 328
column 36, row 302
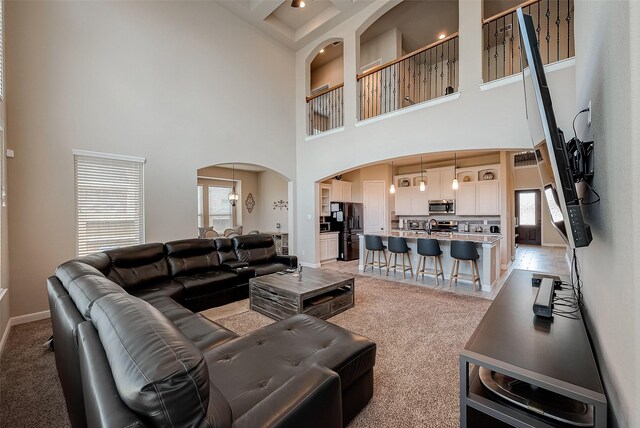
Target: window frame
column 90, row 154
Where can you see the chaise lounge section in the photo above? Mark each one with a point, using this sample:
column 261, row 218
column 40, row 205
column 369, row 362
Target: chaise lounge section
column 120, row 355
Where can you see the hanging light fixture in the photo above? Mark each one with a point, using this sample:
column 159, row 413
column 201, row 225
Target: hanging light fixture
column 454, row 185
column 422, row 185
column 392, row 188
column 233, row 196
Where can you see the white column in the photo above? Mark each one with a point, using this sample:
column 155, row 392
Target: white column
column 470, row 29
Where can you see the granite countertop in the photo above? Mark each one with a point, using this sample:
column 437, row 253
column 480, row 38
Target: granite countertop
column 445, row 236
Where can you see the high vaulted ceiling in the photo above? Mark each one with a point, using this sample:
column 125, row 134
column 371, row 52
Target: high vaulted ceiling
column 295, row 27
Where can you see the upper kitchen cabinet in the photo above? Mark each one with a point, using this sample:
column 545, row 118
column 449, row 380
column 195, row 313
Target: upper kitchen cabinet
column 479, row 191
column 341, row 191
column 325, row 200
column 439, row 182
column 409, row 200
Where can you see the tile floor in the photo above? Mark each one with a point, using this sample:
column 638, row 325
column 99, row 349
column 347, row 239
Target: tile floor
column 534, row 258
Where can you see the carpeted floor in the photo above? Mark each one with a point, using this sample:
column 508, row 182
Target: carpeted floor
column 419, row 333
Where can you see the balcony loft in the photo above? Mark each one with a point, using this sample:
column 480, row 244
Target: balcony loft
column 432, row 73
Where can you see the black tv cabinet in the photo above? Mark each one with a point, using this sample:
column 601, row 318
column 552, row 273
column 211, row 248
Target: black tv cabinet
column 555, row 355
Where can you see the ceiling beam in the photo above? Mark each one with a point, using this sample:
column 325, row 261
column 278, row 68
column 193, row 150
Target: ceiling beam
column 263, row 8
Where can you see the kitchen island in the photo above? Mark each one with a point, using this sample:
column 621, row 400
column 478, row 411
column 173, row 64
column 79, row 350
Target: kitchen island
column 488, row 249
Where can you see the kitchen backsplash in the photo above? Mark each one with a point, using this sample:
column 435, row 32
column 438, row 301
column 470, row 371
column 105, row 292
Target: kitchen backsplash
column 473, row 222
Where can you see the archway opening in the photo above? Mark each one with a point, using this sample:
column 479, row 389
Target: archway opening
column 261, row 205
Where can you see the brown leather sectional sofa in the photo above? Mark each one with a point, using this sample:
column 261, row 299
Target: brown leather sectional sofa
column 130, row 352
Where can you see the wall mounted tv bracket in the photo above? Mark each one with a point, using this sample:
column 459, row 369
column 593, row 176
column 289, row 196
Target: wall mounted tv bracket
column 580, row 159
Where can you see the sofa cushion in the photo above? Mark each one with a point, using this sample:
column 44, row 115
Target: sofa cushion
column 267, row 268
column 85, row 290
column 162, row 287
column 226, row 252
column 203, row 332
column 254, row 249
column 191, row 256
column 134, row 266
column 207, row 282
column 73, row 269
column 100, row 261
column 158, row 372
column 279, row 351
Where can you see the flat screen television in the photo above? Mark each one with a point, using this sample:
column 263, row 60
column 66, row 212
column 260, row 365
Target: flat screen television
column 549, row 144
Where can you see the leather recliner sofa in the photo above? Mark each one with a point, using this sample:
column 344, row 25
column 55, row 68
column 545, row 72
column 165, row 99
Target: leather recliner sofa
column 129, row 353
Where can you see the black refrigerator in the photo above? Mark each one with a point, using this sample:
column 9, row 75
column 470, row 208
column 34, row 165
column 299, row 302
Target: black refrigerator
column 347, row 218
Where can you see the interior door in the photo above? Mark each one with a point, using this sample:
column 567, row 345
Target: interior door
column 528, row 218
column 375, row 209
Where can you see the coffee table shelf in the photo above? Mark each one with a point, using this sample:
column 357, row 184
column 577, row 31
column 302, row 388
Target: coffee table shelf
column 319, row 293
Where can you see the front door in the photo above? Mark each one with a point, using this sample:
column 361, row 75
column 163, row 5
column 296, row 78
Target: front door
column 528, row 221
column 373, row 198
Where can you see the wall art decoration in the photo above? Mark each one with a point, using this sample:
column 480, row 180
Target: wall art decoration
column 250, row 202
column 281, row 204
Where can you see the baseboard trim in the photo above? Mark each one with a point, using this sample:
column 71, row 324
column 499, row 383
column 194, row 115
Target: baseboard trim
column 507, row 266
column 22, row 319
column 5, row 335
column 36, row 316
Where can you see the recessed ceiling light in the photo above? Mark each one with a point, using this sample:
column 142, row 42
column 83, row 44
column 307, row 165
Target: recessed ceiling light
column 322, row 50
column 441, row 36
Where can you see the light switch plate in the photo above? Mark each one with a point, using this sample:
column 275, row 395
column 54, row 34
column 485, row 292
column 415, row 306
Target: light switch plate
column 11, row 153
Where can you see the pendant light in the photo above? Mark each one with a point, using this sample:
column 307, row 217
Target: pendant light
column 422, row 185
column 233, row 196
column 392, row 188
column 454, row 185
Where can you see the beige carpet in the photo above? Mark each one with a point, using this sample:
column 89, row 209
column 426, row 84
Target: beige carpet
column 419, row 333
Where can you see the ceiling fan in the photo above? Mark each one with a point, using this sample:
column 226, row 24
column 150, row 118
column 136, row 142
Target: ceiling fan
column 297, row 3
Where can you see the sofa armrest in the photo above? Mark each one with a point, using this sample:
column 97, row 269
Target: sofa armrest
column 311, row 399
column 234, row 265
column 290, row 261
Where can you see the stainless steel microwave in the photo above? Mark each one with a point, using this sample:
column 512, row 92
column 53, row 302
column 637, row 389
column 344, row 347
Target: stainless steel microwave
column 442, row 206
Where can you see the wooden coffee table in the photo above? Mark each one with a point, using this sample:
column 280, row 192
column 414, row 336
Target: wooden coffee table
column 319, row 293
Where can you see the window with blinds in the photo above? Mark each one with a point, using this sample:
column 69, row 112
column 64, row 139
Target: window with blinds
column 109, row 192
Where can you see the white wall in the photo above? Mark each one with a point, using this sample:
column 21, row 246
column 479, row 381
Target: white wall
column 271, row 188
column 330, row 73
column 606, row 73
column 182, row 84
column 386, row 47
column 492, row 119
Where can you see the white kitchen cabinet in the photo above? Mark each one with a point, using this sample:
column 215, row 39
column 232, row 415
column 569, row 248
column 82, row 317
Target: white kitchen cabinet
column 340, row 191
column 419, row 204
column 403, row 201
column 466, row 199
column 478, row 198
column 488, row 197
column 446, row 181
column 328, row 246
column 439, row 182
column 325, row 200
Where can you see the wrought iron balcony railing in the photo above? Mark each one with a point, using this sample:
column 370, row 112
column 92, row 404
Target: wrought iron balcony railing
column 325, row 110
column 422, row 75
column 501, row 38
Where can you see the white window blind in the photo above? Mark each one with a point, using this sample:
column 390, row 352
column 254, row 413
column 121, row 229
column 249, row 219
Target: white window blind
column 109, row 201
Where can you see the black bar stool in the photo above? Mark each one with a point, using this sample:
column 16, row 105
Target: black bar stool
column 466, row 251
column 373, row 244
column 398, row 245
column 430, row 248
